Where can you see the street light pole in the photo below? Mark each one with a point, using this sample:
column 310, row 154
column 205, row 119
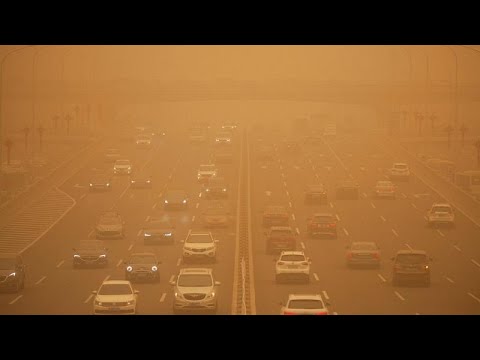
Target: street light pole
column 2, row 63
column 455, row 118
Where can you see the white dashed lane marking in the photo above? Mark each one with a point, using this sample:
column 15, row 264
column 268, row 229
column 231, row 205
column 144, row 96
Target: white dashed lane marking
column 60, row 263
column 154, row 206
column 448, row 279
column 179, row 261
column 399, row 296
column 413, row 205
column 373, row 205
column 119, row 262
column 162, row 298
column 440, row 233
column 474, row 297
column 382, row 278
column 409, row 247
column 316, row 277
column 293, row 217
column 297, row 230
column 171, row 278
column 302, row 245
column 130, row 247
column 197, row 205
column 88, row 299
column 383, row 219
column 193, row 218
column 40, row 281
column 338, row 217
column 15, row 300
column 325, row 295
column 345, row 231
column 394, row 232
column 457, row 248
column 475, row 262
column 331, row 205
column 290, row 203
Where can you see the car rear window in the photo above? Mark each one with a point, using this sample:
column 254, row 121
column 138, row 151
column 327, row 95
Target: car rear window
column 293, row 258
column 364, row 246
column 323, row 218
column 115, row 289
column 411, row 258
column 400, row 166
column 305, row 304
column 447, row 209
column 281, row 233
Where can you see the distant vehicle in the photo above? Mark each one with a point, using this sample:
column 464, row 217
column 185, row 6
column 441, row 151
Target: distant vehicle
column 330, row 130
column 90, row 253
column 141, row 181
column 12, row 272
column 142, row 266
column 385, row 189
column 315, row 194
column 399, row 171
column 441, row 214
column 292, row 265
column 229, row 126
column 411, row 266
column 100, row 182
column 110, row 225
column 216, row 188
column 363, row 254
column 197, row 136
column 205, row 172
column 347, row 190
column 175, row 199
column 112, row 155
column 304, row 304
column 223, row 138
column 275, row 215
column 322, row 224
column 122, row 167
column 195, row 290
column 280, row 238
column 216, row 217
column 266, row 153
column 291, row 147
column 159, row 231
column 199, row 245
column 143, row 141
column 469, row 181
column 115, row 297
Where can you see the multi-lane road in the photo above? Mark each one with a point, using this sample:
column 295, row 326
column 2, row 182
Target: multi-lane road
column 54, row 287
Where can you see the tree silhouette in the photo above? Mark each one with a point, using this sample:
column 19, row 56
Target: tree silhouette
column 477, row 146
column 8, row 144
column 463, row 129
column 449, row 130
column 433, row 118
column 40, row 130
column 68, row 118
column 26, row 131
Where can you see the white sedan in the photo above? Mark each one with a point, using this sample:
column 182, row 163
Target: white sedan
column 115, row 297
column 292, row 265
column 305, row 304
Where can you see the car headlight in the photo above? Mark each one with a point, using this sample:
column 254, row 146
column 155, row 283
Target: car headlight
column 12, row 274
column 103, row 256
column 130, row 302
column 99, row 303
column 147, row 234
column 224, row 189
column 178, row 295
column 129, row 268
column 108, row 184
column 91, row 184
column 133, row 181
column 166, row 201
column 154, row 268
column 228, row 140
column 207, row 190
column 148, row 181
column 211, row 295
column 167, row 234
column 187, row 248
column 184, row 201
column 76, row 256
column 217, row 140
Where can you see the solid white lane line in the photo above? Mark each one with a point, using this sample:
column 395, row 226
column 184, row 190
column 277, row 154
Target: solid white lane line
column 297, row 230
column 196, row 206
column 88, row 299
column 316, row 175
column 162, row 298
column 394, row 232
column 409, row 247
column 293, row 217
column 414, row 206
column 325, row 295
column 154, row 206
column 39, row 281
column 364, row 195
column 399, row 296
column 106, row 278
column 139, row 232
column 382, row 278
column 440, row 233
column 302, row 245
column 290, row 203
column 193, row 218
column 316, row 277
column 130, row 247
column 476, row 263
column 60, row 263
column 171, row 278
column 15, row 300
column 474, row 297
column 383, row 219
column 338, row 217
column 446, row 277
column 119, row 262
column 83, row 196
column 200, row 195
column 345, row 231
column 373, row 205
column 331, row 205
column 179, row 261
column 404, row 196
column 456, row 247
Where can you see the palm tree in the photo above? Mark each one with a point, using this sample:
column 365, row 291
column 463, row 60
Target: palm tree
column 463, row 129
column 8, row 144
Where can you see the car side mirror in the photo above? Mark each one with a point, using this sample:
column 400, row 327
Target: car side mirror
column 172, row 282
column 218, row 283
column 94, row 292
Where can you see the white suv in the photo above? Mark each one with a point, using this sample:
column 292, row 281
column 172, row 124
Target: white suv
column 195, row 290
column 399, row 171
column 304, row 304
column 441, row 213
column 115, row 297
column 199, row 245
column 122, row 167
column 292, row 265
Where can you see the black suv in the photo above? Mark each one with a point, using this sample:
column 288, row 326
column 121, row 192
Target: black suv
column 347, row 190
column 315, row 194
column 90, row 253
column 12, row 272
column 411, row 265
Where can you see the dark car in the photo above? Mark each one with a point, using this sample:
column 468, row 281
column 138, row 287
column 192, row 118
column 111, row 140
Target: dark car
column 142, row 266
column 90, row 253
column 12, row 272
column 275, row 215
column 216, row 217
column 322, row 224
column 266, row 153
column 141, row 181
column 110, row 225
column 315, row 194
column 347, row 190
column 363, row 254
column 411, row 266
column 159, row 230
column 100, row 182
column 280, row 238
column 175, row 199
column 216, row 188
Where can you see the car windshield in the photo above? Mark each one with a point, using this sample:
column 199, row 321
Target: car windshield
column 195, row 280
column 411, row 258
column 446, row 209
column 99, row 179
column 281, row 233
column 400, row 166
column 115, row 289
column 292, row 258
column 207, row 167
column 364, row 246
column 305, row 304
column 216, row 182
column 122, row 162
column 199, row 238
column 143, row 137
column 160, row 223
column 7, row 264
column 143, row 259
column 214, row 211
column 109, row 221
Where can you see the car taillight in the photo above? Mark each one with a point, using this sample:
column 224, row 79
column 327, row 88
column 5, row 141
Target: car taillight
column 288, row 313
column 333, row 225
column 281, row 263
column 376, row 255
column 321, row 313
column 349, row 255
column 304, row 263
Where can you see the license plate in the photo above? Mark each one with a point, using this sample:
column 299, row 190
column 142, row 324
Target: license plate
column 292, row 266
column 114, row 308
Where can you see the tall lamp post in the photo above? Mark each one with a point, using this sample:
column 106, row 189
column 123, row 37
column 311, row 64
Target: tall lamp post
column 455, row 117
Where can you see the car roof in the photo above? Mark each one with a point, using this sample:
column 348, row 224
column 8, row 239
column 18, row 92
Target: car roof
column 399, row 163
column 442, row 204
column 305, row 297
column 143, row 254
column 409, row 252
column 281, row 228
column 87, row 242
column 119, row 282
column 121, row 160
column 381, row 182
column 314, row 186
column 110, row 214
column 195, row 271
column 322, row 214
column 292, row 253
column 199, row 232
column 364, row 243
